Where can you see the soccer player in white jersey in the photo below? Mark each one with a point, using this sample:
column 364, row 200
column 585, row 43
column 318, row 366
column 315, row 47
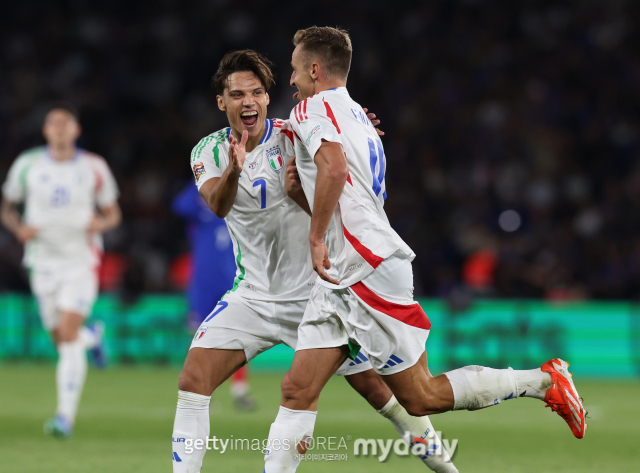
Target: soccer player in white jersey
column 364, row 293
column 70, row 199
column 240, row 171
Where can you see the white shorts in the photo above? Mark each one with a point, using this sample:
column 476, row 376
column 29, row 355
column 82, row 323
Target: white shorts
column 238, row 323
column 73, row 289
column 377, row 313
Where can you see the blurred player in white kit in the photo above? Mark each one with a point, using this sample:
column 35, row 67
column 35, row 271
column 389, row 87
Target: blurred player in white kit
column 70, row 199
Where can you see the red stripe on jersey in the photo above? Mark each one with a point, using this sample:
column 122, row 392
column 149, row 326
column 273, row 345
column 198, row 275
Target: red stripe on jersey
column 349, row 179
column 305, row 109
column 295, row 112
column 289, row 134
column 408, row 314
column 365, row 252
column 331, row 115
column 294, row 132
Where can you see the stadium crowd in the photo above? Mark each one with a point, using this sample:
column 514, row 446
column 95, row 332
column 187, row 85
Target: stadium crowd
column 512, row 128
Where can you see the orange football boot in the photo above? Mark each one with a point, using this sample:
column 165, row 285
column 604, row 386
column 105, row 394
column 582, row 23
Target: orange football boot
column 562, row 397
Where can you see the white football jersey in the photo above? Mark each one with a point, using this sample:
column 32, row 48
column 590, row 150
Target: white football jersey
column 359, row 237
column 270, row 232
column 60, row 199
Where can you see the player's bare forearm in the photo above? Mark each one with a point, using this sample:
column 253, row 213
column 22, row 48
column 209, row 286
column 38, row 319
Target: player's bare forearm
column 293, row 186
column 299, row 198
column 10, row 216
column 332, row 176
column 111, row 217
column 11, row 220
column 220, row 192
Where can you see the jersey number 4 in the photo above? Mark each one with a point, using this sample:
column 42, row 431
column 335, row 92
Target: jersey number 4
column 376, row 160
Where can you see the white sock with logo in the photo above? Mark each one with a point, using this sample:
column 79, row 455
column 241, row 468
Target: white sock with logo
column 476, row 387
column 71, row 372
column 437, row 458
column 190, row 431
column 282, row 454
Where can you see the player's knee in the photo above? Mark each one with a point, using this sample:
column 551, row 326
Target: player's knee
column 295, row 389
column 191, row 381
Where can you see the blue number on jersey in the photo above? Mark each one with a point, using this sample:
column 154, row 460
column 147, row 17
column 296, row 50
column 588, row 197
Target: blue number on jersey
column 263, row 192
column 376, row 158
column 219, row 308
column 60, row 197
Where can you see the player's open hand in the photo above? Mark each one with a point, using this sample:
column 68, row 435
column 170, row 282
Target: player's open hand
column 320, row 260
column 374, row 122
column 24, row 233
column 292, row 183
column 237, row 152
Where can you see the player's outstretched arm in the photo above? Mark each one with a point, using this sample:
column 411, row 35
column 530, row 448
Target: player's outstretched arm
column 333, row 171
column 220, row 192
column 293, row 186
column 11, row 220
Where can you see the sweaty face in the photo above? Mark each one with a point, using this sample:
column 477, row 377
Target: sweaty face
column 60, row 128
column 245, row 100
column 301, row 75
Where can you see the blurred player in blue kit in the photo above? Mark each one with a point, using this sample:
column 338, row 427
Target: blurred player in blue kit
column 212, row 271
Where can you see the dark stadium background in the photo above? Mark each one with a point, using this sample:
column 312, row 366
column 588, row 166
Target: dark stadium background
column 531, row 106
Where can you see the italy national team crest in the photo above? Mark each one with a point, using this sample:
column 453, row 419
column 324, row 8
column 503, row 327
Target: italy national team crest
column 200, row 333
column 274, row 155
column 198, row 170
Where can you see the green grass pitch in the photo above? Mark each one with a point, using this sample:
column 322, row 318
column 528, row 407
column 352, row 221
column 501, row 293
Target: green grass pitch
column 126, row 417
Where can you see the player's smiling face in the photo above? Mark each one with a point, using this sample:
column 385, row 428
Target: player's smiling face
column 301, row 75
column 245, row 101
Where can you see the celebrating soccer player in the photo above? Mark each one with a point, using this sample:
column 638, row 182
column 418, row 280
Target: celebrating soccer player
column 364, row 294
column 241, row 173
column 70, row 199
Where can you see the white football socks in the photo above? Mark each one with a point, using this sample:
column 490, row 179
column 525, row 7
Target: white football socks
column 191, row 425
column 438, row 460
column 289, row 428
column 532, row 383
column 71, row 373
column 476, row 387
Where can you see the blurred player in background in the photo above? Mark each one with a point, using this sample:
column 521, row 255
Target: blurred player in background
column 212, row 271
column 240, row 170
column 70, row 199
column 364, row 293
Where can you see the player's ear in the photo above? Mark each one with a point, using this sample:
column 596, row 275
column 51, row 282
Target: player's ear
column 221, row 105
column 268, row 99
column 315, row 71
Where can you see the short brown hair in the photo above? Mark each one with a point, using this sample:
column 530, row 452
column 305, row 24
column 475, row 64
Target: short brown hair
column 67, row 107
column 242, row 61
column 332, row 46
